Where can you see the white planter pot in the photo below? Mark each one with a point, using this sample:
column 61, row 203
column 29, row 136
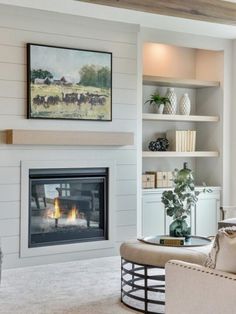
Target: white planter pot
column 160, row 109
column 185, row 105
column 172, row 107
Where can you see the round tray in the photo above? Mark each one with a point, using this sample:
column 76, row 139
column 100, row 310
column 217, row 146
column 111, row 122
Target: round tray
column 191, row 242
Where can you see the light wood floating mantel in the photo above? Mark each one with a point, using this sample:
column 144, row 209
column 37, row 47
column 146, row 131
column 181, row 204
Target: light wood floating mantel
column 149, row 154
column 178, row 82
column 178, row 117
column 43, row 137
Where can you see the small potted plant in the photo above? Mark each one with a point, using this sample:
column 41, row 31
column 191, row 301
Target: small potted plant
column 179, row 201
column 158, row 101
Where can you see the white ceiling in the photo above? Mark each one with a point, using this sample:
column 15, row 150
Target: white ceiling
column 135, row 17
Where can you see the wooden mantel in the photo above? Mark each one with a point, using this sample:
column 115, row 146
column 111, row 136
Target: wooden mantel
column 217, row 11
column 43, row 137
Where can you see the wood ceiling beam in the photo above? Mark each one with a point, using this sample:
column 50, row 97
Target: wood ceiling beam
column 216, row 11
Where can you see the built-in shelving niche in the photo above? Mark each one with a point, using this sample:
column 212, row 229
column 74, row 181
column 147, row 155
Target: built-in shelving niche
column 196, row 72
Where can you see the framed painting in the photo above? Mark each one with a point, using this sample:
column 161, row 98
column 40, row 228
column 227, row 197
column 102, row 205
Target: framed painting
column 67, row 83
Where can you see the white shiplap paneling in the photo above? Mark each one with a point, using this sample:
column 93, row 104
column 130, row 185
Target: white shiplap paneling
column 18, row 28
column 9, row 210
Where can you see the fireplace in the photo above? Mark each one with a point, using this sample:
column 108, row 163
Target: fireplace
column 67, row 206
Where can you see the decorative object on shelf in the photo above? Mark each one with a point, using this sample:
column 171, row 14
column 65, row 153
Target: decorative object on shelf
column 158, row 101
column 171, row 107
column 160, row 145
column 182, row 141
column 185, row 105
column 67, row 83
column 162, row 179
column 152, row 146
column 179, row 202
column 148, row 181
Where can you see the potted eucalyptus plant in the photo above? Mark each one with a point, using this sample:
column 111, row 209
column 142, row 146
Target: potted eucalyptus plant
column 179, row 201
column 158, row 101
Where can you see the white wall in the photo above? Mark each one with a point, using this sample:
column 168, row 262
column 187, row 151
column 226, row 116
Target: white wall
column 233, row 131
column 168, row 60
column 19, row 26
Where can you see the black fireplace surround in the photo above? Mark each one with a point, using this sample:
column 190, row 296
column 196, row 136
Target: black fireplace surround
column 67, row 206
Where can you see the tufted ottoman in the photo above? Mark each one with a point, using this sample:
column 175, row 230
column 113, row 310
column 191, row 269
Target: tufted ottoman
column 142, row 272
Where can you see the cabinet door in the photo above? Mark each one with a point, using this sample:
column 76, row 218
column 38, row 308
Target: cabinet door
column 153, row 218
column 207, row 216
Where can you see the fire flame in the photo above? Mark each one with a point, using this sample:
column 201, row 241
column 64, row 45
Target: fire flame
column 56, row 213
column 72, row 215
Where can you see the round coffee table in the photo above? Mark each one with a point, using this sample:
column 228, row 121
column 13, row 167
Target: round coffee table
column 142, row 269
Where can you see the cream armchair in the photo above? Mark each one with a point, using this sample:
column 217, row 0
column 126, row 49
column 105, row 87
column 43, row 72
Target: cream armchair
column 228, row 212
column 194, row 289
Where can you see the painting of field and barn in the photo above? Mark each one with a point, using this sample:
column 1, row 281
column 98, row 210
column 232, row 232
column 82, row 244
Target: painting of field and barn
column 66, row 83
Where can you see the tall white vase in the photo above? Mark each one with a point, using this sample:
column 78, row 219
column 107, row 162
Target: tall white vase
column 172, row 107
column 185, row 105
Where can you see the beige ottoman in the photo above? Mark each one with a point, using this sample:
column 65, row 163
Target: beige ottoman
column 142, row 272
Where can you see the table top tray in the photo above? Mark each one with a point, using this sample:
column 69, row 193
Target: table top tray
column 192, row 241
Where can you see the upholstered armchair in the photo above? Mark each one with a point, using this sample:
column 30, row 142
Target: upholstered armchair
column 194, row 289
column 229, row 217
column 228, row 212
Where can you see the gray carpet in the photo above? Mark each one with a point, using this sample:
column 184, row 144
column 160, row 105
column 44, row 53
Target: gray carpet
column 82, row 287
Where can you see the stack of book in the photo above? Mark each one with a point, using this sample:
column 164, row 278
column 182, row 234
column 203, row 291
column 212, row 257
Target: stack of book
column 182, row 141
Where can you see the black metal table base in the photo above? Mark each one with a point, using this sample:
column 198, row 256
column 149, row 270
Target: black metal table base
column 142, row 287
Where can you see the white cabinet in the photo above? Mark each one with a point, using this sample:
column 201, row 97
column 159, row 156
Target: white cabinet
column 153, row 214
column 203, row 220
column 207, row 213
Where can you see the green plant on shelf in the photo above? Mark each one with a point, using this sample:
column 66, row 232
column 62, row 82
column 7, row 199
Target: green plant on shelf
column 157, row 100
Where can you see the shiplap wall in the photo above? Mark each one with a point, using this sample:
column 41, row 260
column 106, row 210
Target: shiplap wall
column 19, row 26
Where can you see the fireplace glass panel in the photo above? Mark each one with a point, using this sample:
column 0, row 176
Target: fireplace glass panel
column 67, row 205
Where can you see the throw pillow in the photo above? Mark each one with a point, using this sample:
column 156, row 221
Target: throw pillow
column 223, row 253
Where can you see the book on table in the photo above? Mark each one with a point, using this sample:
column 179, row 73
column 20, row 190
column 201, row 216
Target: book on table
column 172, row 241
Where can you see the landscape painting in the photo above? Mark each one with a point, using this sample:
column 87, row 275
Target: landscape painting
column 65, row 83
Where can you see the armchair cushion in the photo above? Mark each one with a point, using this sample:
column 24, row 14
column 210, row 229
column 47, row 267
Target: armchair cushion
column 195, row 289
column 223, row 252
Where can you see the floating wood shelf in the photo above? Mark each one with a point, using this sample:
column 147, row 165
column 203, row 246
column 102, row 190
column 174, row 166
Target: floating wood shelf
column 175, row 82
column 149, row 154
column 178, row 117
column 38, row 137
column 197, row 188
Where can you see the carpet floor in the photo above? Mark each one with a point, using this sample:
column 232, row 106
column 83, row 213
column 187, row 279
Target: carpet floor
column 81, row 287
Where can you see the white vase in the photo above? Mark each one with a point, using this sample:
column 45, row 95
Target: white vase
column 185, row 105
column 160, row 109
column 172, row 107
